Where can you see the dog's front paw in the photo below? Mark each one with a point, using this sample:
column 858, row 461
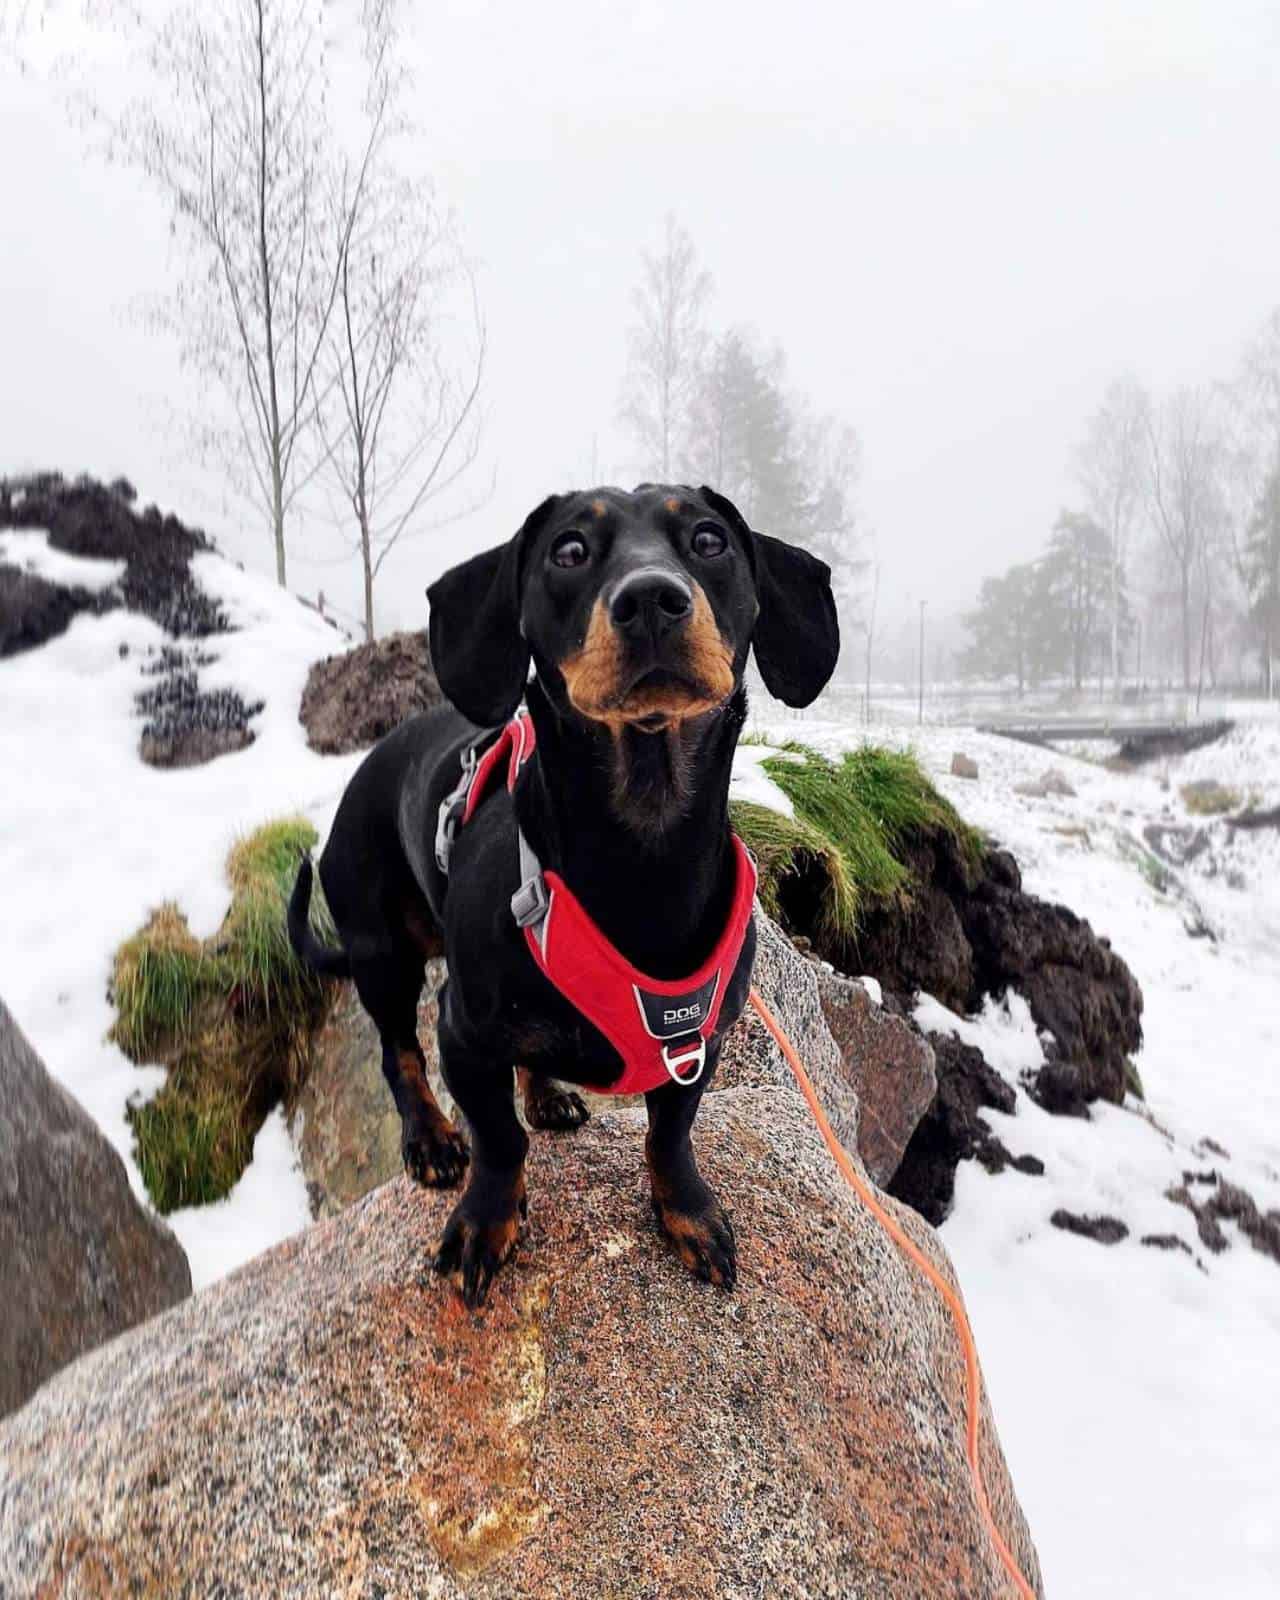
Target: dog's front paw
column 435, row 1153
column 703, row 1237
column 479, row 1238
column 554, row 1109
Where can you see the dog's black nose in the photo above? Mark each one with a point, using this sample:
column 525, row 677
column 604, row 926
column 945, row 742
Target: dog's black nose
column 652, row 600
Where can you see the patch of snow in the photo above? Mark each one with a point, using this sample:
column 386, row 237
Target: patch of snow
column 749, row 783
column 1003, row 1031
column 29, row 548
column 92, row 839
column 872, row 986
column 267, row 1205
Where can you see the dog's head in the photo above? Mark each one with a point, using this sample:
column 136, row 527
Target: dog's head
column 637, row 610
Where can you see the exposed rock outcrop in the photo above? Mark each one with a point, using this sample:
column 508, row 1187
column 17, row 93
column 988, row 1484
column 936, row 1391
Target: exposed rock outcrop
column 345, row 1123
column 82, row 1260
column 952, row 1130
column 890, row 1064
column 331, row 1421
column 352, row 700
column 962, row 936
column 349, row 1133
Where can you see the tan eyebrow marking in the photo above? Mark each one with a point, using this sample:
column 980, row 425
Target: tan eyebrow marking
column 674, row 505
column 599, row 508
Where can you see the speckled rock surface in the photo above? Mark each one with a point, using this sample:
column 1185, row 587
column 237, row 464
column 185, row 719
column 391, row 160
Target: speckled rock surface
column 332, row 1421
column 348, row 1132
column 345, row 1123
column 890, row 1064
column 788, row 985
column 80, row 1259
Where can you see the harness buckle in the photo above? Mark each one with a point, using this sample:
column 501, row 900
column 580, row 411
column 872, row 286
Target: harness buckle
column 452, row 807
column 676, row 1056
column 530, row 902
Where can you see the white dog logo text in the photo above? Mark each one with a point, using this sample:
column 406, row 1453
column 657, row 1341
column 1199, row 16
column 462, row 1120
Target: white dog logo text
column 683, row 1013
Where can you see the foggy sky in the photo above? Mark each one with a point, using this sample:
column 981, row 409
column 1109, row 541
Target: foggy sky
column 959, row 220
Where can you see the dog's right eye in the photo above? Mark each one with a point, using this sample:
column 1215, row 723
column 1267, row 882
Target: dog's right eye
column 569, row 550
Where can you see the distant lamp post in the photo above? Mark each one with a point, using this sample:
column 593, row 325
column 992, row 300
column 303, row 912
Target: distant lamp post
column 921, row 700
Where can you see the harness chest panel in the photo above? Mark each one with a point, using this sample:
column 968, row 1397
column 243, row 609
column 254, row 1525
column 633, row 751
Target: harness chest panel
column 659, row 1027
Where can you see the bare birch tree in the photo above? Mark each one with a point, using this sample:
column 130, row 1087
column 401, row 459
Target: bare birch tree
column 1184, row 461
column 233, row 133
column 1110, row 466
column 1254, row 399
column 407, row 425
column 666, row 345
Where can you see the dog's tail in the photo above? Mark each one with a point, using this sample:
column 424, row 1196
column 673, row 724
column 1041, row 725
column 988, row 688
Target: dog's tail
column 329, row 963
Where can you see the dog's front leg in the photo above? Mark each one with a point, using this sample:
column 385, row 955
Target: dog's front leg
column 685, row 1206
column 481, row 1233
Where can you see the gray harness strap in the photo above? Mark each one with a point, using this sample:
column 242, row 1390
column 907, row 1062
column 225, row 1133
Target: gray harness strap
column 530, row 903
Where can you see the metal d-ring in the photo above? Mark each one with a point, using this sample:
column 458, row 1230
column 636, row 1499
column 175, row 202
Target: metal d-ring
column 675, row 1058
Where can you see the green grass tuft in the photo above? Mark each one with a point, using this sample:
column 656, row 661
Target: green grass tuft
column 1210, row 799
column 855, row 814
column 159, row 978
column 254, row 940
column 795, row 860
column 191, row 1148
column 230, row 1018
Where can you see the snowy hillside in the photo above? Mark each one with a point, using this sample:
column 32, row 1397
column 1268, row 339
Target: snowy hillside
column 92, row 838
column 1136, row 1386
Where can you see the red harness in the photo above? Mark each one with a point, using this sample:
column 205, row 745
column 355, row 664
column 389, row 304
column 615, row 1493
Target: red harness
column 660, row 1028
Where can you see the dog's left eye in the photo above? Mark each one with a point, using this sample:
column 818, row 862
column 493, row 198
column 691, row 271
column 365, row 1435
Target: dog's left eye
column 708, row 540
column 570, row 550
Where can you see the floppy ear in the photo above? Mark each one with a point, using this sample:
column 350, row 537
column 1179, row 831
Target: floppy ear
column 797, row 635
column 477, row 649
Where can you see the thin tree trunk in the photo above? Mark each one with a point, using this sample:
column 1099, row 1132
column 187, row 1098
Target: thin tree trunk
column 264, row 268
column 1186, row 625
column 1204, row 634
column 366, row 558
column 277, row 509
column 1115, row 615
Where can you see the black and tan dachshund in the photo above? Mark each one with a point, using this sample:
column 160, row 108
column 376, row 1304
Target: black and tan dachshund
column 637, row 612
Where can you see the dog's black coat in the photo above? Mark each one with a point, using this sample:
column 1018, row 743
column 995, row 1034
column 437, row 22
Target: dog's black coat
column 637, row 612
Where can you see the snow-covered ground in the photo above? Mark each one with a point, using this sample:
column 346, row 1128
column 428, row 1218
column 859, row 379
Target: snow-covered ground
column 91, row 839
column 1137, row 1390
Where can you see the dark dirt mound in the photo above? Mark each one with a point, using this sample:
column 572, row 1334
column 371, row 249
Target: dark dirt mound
column 184, row 725
column 962, row 936
column 85, row 518
column 352, row 700
column 32, row 610
column 187, row 725
column 1103, row 1230
column 1228, row 1203
column 1167, row 1241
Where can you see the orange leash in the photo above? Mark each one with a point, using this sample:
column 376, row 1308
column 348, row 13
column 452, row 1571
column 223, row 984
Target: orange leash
column 919, row 1259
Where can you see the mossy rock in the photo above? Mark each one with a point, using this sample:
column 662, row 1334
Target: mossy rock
column 230, row 1018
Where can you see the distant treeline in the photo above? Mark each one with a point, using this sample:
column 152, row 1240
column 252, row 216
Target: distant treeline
column 1170, row 565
